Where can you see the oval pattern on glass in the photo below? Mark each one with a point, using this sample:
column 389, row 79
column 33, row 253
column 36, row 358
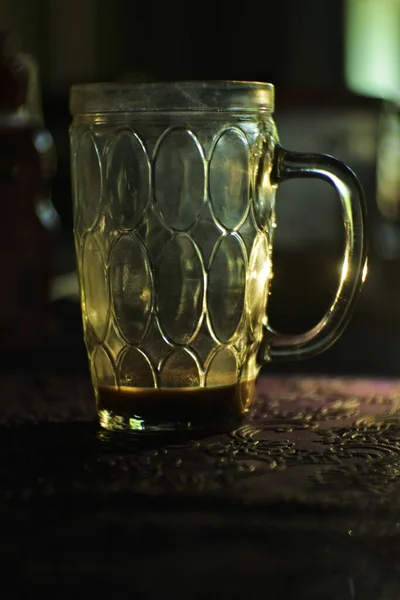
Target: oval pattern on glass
column 229, row 179
column 180, row 289
column 128, row 180
column 259, row 274
column 222, row 369
column 135, row 370
column 179, row 179
column 89, row 180
column 131, row 287
column 95, row 288
column 226, row 289
column 180, row 370
column 102, row 368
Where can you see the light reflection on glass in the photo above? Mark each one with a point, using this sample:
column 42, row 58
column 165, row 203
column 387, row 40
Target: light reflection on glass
column 345, row 269
column 136, row 423
column 365, row 272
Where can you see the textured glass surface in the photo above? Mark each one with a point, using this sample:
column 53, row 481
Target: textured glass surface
column 179, row 179
column 89, row 179
column 173, row 248
column 226, row 289
column 127, row 180
column 229, row 179
column 131, row 287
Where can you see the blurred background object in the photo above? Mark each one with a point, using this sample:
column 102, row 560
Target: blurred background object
column 29, row 220
column 336, row 70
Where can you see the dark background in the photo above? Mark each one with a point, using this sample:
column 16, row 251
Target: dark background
column 300, row 46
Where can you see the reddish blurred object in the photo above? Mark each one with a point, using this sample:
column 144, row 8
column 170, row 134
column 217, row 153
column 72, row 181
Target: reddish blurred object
column 28, row 221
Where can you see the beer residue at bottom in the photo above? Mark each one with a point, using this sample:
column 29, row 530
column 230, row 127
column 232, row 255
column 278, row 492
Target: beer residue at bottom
column 199, row 406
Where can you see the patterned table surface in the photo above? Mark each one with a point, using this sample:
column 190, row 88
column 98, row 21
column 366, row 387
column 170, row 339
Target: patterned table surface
column 310, row 484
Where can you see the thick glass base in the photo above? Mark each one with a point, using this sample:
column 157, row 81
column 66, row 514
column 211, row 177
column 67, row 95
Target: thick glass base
column 149, row 410
column 132, row 425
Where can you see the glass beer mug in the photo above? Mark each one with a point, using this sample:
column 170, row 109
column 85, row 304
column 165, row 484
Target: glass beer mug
column 174, row 214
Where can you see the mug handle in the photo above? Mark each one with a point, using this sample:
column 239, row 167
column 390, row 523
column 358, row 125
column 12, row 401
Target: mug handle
column 289, row 165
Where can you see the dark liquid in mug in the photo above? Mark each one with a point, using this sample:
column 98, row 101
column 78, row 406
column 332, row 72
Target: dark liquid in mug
column 201, row 407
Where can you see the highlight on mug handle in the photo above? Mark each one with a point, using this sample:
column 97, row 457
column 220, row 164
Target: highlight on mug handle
column 290, row 165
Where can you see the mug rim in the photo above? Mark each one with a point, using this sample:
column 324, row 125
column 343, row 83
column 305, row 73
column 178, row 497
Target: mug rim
column 172, row 96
